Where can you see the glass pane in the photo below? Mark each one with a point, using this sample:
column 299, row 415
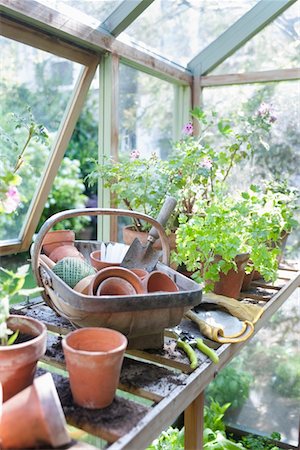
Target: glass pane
column 276, row 47
column 145, row 120
column 263, row 382
column 90, row 12
column 179, row 30
column 279, row 157
column 35, row 89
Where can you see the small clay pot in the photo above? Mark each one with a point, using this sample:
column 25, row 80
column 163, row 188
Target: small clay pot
column 65, row 251
column 119, row 272
column 230, row 284
column 141, row 273
column 94, row 358
column 57, row 238
column 83, row 285
column 18, row 361
column 115, row 286
column 159, row 282
column 96, row 262
column 34, row 417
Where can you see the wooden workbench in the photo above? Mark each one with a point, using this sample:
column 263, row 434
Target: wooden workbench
column 163, row 377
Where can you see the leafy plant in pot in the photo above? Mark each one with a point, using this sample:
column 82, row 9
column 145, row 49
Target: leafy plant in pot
column 138, row 184
column 219, row 241
column 270, row 218
column 22, row 339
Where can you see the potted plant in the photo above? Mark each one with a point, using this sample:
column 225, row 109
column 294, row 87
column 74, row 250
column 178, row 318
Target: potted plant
column 138, row 184
column 22, row 339
column 224, row 235
column 213, row 242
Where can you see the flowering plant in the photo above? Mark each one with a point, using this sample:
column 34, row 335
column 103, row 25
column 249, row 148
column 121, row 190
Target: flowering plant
column 196, row 168
column 199, row 164
column 10, row 199
column 138, row 184
column 10, row 180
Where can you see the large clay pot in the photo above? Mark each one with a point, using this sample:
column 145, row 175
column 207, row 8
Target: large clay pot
column 230, row 284
column 115, row 286
column 119, row 272
column 65, row 251
column 18, row 361
column 129, row 234
column 34, row 418
column 57, row 238
column 94, row 358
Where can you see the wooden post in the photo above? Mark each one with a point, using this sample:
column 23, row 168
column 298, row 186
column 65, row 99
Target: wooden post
column 194, row 424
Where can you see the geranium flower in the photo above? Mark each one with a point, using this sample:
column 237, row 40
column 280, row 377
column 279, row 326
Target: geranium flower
column 266, row 111
column 135, row 154
column 12, row 200
column 206, row 163
column 188, row 129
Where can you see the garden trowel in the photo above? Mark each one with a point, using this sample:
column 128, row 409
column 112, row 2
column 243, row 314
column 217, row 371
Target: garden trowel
column 141, row 256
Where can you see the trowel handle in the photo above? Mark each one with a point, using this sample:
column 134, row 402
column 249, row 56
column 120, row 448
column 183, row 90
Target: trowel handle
column 163, row 217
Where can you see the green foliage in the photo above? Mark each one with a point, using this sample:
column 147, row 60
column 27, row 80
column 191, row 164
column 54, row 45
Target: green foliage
column 138, row 184
column 83, row 145
column 11, row 283
column 286, row 380
column 231, row 385
column 172, row 439
column 253, row 442
column 66, row 193
column 24, row 133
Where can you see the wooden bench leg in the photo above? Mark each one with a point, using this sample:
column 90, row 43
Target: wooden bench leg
column 193, row 424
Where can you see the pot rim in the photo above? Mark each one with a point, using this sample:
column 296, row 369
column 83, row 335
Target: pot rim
column 69, row 348
column 38, row 337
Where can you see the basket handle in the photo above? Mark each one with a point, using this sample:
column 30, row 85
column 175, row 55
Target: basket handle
column 53, row 220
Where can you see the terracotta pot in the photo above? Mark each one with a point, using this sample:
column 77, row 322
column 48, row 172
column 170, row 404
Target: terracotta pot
column 248, row 277
column 65, row 251
column 230, row 284
column 115, row 286
column 120, row 272
column 57, row 238
column 34, row 417
column 159, row 282
column 18, row 361
column 96, row 262
column 94, row 358
column 129, row 234
column 141, row 273
column 83, row 285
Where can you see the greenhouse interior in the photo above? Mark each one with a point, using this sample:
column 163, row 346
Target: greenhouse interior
column 150, row 211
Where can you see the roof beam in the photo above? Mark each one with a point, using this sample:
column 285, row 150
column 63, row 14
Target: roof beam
column 237, row 35
column 124, row 15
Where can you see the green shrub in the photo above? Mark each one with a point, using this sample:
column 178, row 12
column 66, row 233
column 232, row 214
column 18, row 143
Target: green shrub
column 231, row 385
column 286, row 380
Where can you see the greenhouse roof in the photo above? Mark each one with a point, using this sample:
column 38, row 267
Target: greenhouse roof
column 192, row 35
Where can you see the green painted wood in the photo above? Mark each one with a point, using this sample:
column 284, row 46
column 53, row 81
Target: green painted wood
column 182, row 106
column 104, row 140
column 124, row 15
column 237, row 35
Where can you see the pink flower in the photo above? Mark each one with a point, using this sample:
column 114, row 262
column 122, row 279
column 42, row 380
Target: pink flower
column 206, row 163
column 12, row 200
column 266, row 111
column 135, row 154
column 188, row 129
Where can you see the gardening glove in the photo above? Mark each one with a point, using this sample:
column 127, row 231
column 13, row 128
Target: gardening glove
column 210, row 325
column 237, row 309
